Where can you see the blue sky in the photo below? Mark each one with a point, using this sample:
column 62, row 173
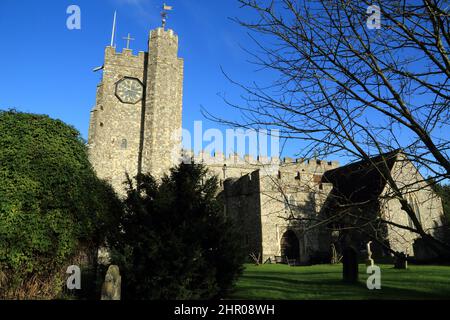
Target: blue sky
column 47, row 68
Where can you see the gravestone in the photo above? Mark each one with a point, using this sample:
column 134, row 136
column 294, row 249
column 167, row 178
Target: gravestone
column 111, row 288
column 350, row 265
column 401, row 261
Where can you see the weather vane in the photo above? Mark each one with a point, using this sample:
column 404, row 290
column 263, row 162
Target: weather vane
column 164, row 13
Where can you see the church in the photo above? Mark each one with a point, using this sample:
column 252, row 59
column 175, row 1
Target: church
column 278, row 203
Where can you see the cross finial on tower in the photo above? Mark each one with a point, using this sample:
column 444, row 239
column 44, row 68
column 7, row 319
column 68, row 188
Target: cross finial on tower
column 164, row 14
column 128, row 40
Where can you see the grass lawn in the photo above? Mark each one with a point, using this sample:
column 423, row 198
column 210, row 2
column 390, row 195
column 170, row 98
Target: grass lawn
column 281, row 282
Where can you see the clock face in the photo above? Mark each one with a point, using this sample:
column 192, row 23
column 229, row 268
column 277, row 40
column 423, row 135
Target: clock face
column 129, row 90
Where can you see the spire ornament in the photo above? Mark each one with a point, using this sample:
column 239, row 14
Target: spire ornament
column 165, row 13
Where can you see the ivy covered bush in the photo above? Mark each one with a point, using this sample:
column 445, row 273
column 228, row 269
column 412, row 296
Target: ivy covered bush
column 51, row 204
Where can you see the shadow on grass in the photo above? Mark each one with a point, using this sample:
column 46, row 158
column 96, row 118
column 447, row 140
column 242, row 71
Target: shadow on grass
column 331, row 290
column 327, row 285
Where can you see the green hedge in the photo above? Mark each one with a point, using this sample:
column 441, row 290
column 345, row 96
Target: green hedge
column 51, row 202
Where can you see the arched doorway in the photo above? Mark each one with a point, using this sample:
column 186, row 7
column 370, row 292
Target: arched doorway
column 290, row 248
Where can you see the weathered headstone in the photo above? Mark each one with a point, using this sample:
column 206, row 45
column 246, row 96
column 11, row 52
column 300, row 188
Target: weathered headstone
column 401, row 261
column 369, row 261
column 111, row 288
column 350, row 265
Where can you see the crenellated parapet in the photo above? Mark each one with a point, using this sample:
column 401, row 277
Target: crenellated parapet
column 231, row 160
column 124, row 58
column 111, row 52
column 161, row 33
column 251, row 162
column 300, row 174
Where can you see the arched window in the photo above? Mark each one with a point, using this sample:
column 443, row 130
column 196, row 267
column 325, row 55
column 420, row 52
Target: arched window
column 124, row 144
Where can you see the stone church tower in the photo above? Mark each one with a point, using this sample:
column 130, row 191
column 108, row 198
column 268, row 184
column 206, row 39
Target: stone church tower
column 136, row 123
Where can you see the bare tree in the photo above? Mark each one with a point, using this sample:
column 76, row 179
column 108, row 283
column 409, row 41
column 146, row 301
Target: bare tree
column 345, row 88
